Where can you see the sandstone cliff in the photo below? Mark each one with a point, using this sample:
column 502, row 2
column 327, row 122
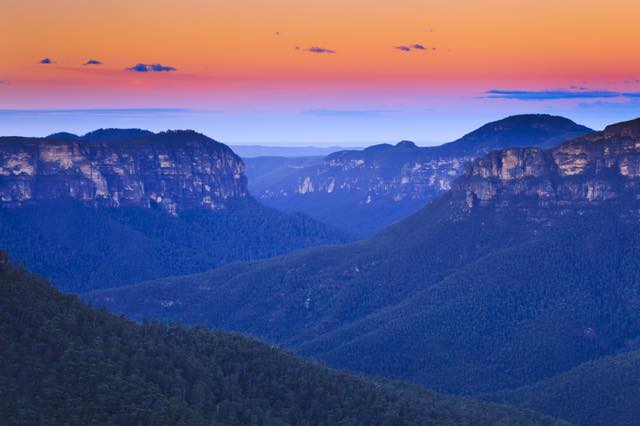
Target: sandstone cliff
column 407, row 172
column 173, row 171
column 364, row 191
column 597, row 167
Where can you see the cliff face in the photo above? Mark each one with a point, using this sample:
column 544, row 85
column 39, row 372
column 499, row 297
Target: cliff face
column 400, row 172
column 597, row 167
column 407, row 172
column 174, row 171
column 364, row 191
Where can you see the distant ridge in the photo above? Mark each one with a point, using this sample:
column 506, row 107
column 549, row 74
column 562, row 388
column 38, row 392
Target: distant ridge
column 526, row 130
column 362, row 191
column 110, row 134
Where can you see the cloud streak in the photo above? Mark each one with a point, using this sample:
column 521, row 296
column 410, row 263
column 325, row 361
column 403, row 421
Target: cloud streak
column 151, row 68
column 559, row 94
column 45, row 61
column 93, row 62
column 412, row 47
column 316, row 50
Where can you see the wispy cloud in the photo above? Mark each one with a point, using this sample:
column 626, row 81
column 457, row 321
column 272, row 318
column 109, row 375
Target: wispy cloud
column 559, row 94
column 45, row 61
column 151, row 68
column 5, row 83
column 316, row 49
column 326, row 112
column 410, row 47
column 93, row 62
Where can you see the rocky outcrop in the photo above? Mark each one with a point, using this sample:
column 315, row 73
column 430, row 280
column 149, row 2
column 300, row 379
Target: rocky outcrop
column 597, row 167
column 364, row 191
column 400, row 172
column 405, row 171
column 173, row 171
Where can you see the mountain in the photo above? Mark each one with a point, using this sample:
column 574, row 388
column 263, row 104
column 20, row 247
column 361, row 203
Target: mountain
column 253, row 151
column 65, row 363
column 364, row 191
column 527, row 268
column 105, row 135
column 527, row 130
column 172, row 171
column 110, row 135
column 118, row 206
column 602, row 392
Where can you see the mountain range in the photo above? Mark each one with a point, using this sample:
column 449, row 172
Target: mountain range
column 507, row 286
column 252, row 151
column 362, row 191
column 117, row 206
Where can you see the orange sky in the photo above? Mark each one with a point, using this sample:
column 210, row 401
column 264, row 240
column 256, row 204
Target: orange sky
column 234, row 38
column 227, row 52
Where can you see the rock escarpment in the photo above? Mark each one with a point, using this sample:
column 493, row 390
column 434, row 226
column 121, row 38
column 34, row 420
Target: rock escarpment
column 364, row 191
column 173, row 171
column 598, row 167
column 396, row 172
column 407, row 172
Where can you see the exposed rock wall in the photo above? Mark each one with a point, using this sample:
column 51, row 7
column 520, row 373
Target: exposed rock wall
column 405, row 172
column 600, row 166
column 416, row 179
column 173, row 171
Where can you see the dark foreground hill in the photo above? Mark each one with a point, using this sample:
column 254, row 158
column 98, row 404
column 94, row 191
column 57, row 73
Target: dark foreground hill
column 602, row 392
column 527, row 268
column 62, row 362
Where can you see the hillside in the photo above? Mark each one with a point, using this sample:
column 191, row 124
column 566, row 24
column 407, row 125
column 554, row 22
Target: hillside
column 602, row 392
column 526, row 269
column 512, row 318
column 84, row 248
column 117, row 206
column 363, row 191
column 64, row 363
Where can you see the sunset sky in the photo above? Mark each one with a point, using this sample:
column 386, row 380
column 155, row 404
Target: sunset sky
column 349, row 72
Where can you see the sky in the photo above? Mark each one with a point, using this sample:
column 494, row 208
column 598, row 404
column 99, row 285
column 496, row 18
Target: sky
column 299, row 72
